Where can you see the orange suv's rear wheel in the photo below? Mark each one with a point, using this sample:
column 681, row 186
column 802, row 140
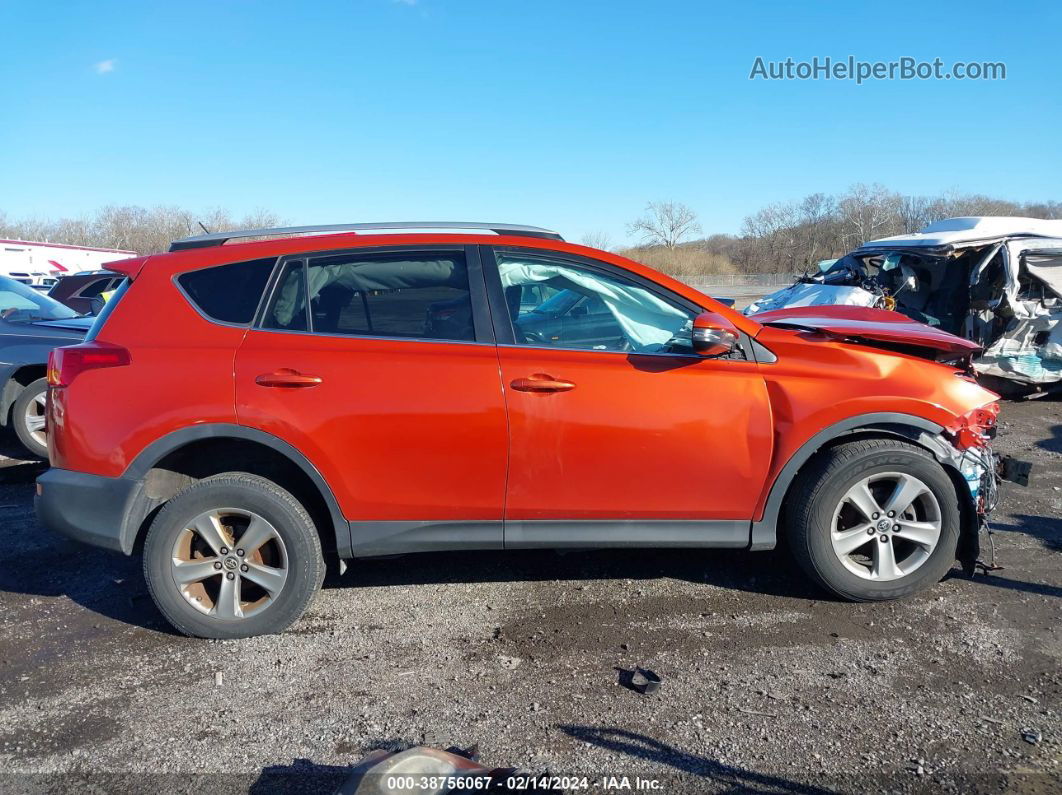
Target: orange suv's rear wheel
column 232, row 556
column 874, row 519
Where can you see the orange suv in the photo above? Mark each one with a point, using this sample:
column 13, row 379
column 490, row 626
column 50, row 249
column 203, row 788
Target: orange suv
column 241, row 411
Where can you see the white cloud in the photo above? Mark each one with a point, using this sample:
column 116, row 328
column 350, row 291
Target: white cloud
column 405, row 2
column 103, row 67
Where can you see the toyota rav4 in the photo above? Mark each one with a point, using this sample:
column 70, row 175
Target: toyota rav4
column 243, row 411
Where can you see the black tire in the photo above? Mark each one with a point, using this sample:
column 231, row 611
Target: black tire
column 819, row 489
column 25, row 400
column 242, row 492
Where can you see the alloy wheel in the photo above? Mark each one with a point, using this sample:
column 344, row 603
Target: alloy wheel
column 886, row 526
column 34, row 419
column 229, row 563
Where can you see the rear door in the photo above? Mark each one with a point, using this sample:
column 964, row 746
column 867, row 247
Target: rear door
column 619, row 433
column 380, row 366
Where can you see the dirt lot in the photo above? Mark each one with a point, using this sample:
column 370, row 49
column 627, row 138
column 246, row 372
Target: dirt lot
column 768, row 685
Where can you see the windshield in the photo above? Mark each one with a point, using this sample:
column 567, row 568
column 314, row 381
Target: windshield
column 20, row 303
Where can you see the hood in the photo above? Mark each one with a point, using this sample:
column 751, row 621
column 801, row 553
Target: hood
column 80, row 324
column 871, row 325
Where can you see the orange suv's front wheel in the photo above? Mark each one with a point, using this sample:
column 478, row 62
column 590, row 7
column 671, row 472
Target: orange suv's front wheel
column 874, row 519
column 233, row 556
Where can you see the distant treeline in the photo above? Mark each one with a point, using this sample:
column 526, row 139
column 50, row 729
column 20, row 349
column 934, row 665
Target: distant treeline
column 780, row 238
column 145, row 230
column 789, row 237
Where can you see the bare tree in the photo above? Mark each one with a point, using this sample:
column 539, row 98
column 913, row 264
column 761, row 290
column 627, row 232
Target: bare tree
column 665, row 224
column 599, row 240
column 816, row 215
column 868, row 212
column 915, row 212
column 1048, row 209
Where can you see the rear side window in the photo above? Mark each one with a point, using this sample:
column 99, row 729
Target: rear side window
column 228, row 293
column 420, row 296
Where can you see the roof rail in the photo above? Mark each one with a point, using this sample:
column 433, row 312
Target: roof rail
column 220, row 238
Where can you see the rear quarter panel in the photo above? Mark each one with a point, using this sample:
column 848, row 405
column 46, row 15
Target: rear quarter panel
column 181, row 374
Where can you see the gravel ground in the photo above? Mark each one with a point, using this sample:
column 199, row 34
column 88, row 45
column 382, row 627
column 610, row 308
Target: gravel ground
column 769, row 685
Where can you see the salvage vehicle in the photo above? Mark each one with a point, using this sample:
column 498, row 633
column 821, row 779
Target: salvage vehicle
column 304, row 401
column 993, row 280
column 31, row 324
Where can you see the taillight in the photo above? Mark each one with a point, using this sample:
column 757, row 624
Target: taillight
column 975, row 427
column 65, row 364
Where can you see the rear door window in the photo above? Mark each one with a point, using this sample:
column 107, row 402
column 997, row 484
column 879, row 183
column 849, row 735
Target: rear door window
column 228, row 293
column 417, row 296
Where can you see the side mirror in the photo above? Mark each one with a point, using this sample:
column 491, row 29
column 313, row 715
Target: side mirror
column 713, row 334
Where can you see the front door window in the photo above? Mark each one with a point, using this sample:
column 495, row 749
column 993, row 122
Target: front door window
column 556, row 304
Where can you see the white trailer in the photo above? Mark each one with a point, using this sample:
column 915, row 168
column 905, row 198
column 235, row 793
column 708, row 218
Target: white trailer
column 41, row 264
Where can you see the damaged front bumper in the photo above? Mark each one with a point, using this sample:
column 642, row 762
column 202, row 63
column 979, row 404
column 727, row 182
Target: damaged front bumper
column 983, row 470
column 965, row 448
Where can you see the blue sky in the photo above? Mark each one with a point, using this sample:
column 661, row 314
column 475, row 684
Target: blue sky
column 570, row 114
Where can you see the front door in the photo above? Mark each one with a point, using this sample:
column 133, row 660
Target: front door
column 620, row 434
column 380, row 367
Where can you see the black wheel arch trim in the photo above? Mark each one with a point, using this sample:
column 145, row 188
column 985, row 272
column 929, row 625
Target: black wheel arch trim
column 764, row 533
column 149, row 457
